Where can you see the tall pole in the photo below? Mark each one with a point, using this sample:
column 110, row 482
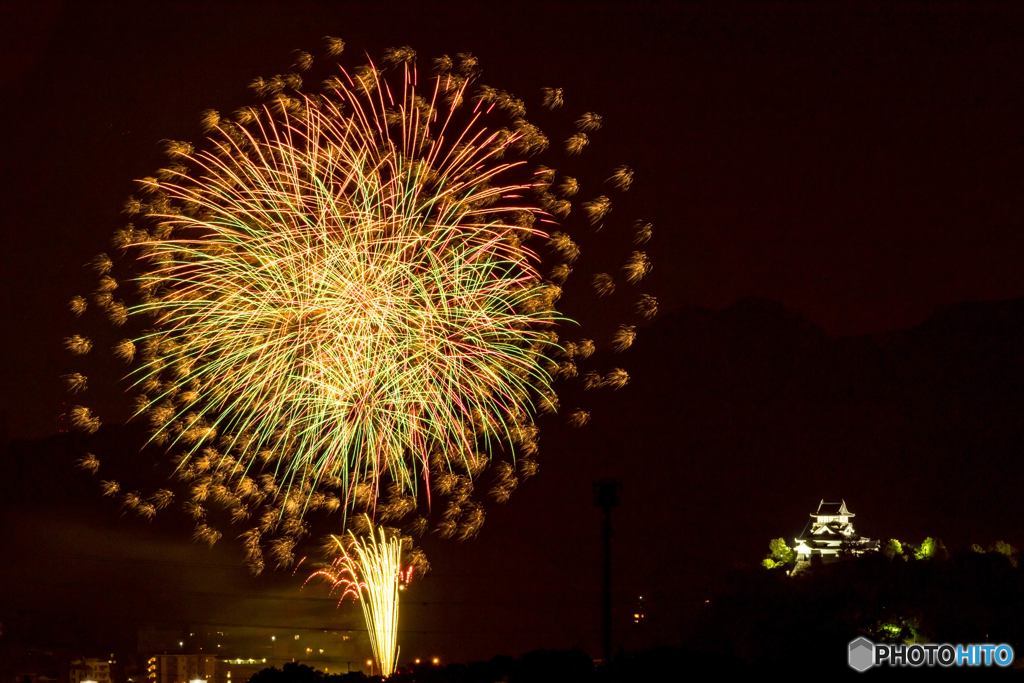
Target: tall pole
column 606, row 497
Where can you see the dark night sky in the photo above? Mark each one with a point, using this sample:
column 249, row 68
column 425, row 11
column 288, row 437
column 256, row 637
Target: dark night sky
column 860, row 164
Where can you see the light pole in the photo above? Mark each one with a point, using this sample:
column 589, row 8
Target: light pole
column 606, row 497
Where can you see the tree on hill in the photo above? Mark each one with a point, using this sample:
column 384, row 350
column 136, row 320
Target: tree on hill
column 780, row 555
column 893, row 549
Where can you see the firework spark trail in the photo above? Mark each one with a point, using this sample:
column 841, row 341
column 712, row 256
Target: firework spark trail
column 370, row 571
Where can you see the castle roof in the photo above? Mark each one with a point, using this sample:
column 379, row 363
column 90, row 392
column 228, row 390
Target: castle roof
column 827, row 509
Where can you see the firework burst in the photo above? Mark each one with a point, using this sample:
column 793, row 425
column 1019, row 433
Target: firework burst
column 348, row 300
column 346, row 291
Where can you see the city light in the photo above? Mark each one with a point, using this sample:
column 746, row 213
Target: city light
column 435, row 661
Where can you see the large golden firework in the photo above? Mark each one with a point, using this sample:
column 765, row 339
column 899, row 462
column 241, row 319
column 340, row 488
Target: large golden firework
column 347, row 299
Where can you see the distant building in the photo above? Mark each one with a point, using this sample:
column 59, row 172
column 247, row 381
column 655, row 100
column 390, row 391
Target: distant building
column 829, row 535
column 239, row 670
column 182, row 668
column 82, row 670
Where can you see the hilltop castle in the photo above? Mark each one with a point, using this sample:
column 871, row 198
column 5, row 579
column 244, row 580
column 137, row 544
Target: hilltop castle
column 829, row 536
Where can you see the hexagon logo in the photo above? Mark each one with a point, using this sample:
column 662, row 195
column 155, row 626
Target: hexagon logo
column 861, row 654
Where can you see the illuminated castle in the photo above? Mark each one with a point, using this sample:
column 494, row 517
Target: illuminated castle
column 830, row 535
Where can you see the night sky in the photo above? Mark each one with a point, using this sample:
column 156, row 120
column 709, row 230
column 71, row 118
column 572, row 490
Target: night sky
column 838, row 201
